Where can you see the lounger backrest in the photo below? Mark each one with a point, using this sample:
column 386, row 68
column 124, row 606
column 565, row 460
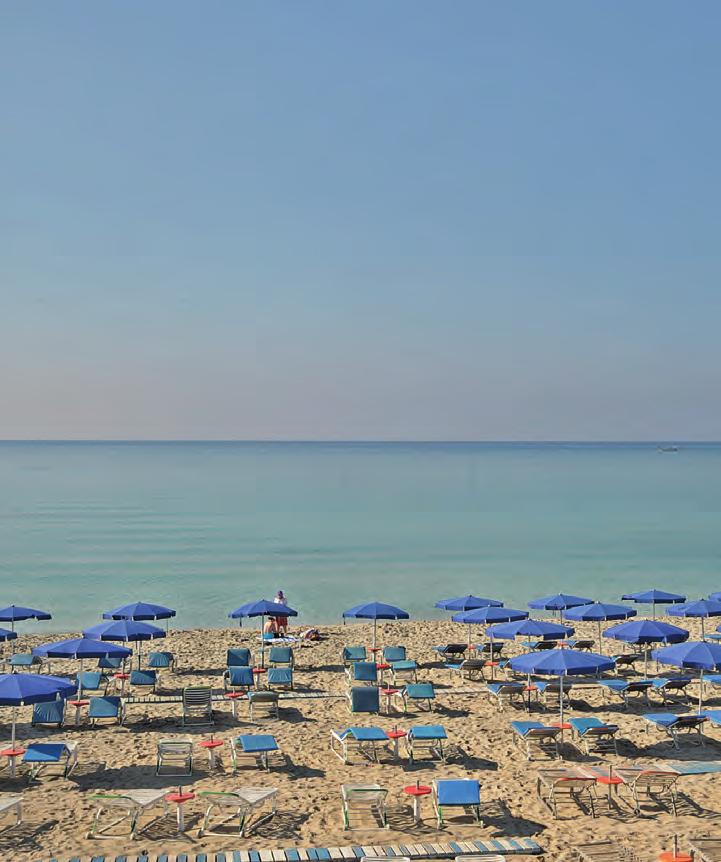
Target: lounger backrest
column 458, row 791
column 238, row 657
column 197, row 697
column 365, row 671
column 420, row 690
column 178, row 748
column 280, row 654
column 104, row 707
column 280, row 676
column 92, row 680
column 143, row 677
column 650, row 778
column 49, row 713
column 354, row 653
column 263, row 697
column 22, row 659
column 240, row 676
column 364, row 699
column 394, row 653
column 110, row 662
column 160, row 659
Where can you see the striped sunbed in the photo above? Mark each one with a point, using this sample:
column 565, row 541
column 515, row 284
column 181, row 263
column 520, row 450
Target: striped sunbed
column 506, row 846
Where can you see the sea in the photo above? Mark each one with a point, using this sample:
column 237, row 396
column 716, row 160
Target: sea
column 206, row 526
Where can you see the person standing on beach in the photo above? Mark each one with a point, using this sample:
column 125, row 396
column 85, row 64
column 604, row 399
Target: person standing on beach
column 281, row 621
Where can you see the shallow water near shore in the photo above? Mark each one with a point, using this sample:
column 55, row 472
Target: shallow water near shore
column 206, row 526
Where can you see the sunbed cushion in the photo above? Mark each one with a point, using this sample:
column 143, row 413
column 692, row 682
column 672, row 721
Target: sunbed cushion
column 394, row 653
column 143, row 677
column 44, row 752
column 428, row 731
column 522, row 727
column 660, row 682
column 663, row 719
column 404, row 665
column 495, row 687
column 104, row 707
column 280, row 676
column 256, row 742
column 365, row 734
column 583, row 724
column 461, row 791
column 420, row 690
column 240, row 676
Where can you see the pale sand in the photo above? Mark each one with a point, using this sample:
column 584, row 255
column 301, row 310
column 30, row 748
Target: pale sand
column 58, row 811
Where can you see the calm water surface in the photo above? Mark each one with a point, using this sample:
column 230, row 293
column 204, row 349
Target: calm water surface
column 206, row 526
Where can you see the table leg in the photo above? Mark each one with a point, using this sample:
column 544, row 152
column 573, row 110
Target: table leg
column 181, row 819
column 417, row 809
column 12, row 766
column 77, row 716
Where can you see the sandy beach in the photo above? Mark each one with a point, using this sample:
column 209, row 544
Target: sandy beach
column 58, row 811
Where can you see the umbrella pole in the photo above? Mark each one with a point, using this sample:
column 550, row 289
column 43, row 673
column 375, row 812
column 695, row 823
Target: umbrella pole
column 561, row 702
column 80, row 681
column 375, row 627
column 15, row 718
column 703, row 633
column 700, row 692
column 469, row 634
column 262, row 640
column 600, row 645
column 12, row 640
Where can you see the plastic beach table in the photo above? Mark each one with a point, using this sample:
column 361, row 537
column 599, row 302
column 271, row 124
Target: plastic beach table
column 180, row 799
column 234, row 697
column 396, row 734
column 210, row 745
column 78, row 704
column 389, row 692
column 12, row 754
column 123, row 677
column 417, row 791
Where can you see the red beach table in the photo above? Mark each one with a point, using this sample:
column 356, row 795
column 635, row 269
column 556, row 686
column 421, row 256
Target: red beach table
column 12, row 754
column 389, row 692
column 417, row 791
column 122, row 677
column 78, row 704
column 257, row 671
column 180, row 799
column 396, row 735
column 382, row 666
column 234, row 697
column 210, row 745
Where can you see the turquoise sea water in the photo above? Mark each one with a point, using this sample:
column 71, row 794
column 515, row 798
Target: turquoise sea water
column 206, row 526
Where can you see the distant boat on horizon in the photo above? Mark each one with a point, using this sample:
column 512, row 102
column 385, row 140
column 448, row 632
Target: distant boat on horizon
column 668, row 448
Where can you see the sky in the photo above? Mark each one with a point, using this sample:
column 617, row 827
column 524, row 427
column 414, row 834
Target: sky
column 320, row 220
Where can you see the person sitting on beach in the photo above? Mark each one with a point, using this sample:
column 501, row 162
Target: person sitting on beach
column 270, row 627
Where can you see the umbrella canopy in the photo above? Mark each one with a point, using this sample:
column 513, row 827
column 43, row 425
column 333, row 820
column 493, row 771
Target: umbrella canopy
column 561, row 663
column 16, row 613
column 124, row 630
column 654, row 597
column 694, row 655
column 262, row 608
column 539, row 629
column 376, row 611
column 8, row 635
column 599, row 612
column 559, row 602
column 140, row 611
column 716, row 597
column 19, row 689
column 484, row 616
column 646, row 632
column 467, row 603
column 701, row 608
column 81, row 649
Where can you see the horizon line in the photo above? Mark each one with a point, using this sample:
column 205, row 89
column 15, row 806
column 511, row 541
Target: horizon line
column 351, row 440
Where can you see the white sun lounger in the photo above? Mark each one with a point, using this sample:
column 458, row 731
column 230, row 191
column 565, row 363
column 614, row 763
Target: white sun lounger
column 239, row 803
column 12, row 804
column 133, row 804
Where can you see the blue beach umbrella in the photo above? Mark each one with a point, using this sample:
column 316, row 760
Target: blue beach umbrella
column 694, row 655
column 81, row 649
column 124, row 630
column 700, row 609
column 716, row 597
column 140, row 611
column 7, row 635
column 488, row 616
column 21, row 689
column 561, row 663
column 17, row 613
column 654, row 597
column 540, row 629
column 599, row 612
column 467, row 603
column 375, row 611
column 558, row 602
column 644, row 632
column 262, row 608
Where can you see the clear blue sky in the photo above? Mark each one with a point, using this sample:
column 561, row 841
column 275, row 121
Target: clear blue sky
column 405, row 219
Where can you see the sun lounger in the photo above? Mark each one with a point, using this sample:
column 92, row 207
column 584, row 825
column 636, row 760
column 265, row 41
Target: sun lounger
column 364, row 799
column 11, row 805
column 407, row 669
column 550, row 692
column 605, row 851
column 237, row 657
column 364, row 740
column 263, row 704
column 419, row 693
column 258, row 746
column 450, row 651
column 175, row 757
column 556, row 787
column 490, row 650
column 198, row 705
column 92, row 681
column 676, row 725
column 454, row 794
column 279, row 677
column 506, row 693
column 394, row 653
column 580, row 643
column 51, row 713
column 626, row 660
column 238, row 678
column 133, row 804
column 650, row 786
column 26, row 661
column 106, row 662
column 352, row 654
column 672, row 689
column 535, row 735
column 706, row 849
column 594, row 734
column 363, row 671
column 108, row 708
column 161, row 661
column 239, row 803
column 469, row 668
column 626, row 690
column 281, row 656
column 143, row 679
column 539, row 645
column 426, row 738
column 364, row 699
column 43, row 755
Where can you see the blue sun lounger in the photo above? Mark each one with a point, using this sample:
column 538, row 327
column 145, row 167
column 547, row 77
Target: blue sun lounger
column 364, row 698
column 420, row 693
column 237, row 657
column 363, row 671
column 42, row 755
column 426, row 737
column 594, row 734
column 675, row 725
column 279, row 677
column 672, row 689
column 364, row 740
column 92, row 680
column 238, row 679
column 51, row 713
column 463, row 793
column 625, row 689
column 256, row 745
column 407, row 669
column 506, row 693
column 352, row 654
column 536, row 735
column 108, row 708
column 144, row 679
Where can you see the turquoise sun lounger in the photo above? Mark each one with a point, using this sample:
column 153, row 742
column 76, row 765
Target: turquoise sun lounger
column 594, row 734
column 676, row 725
column 457, row 793
column 535, row 735
column 426, row 737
